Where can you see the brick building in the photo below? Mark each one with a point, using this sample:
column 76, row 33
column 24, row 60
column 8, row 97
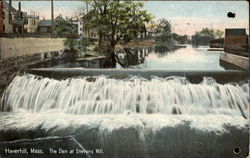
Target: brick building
column 236, row 40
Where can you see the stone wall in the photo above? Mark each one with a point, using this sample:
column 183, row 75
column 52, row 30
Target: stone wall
column 17, row 53
column 11, row 67
column 14, row 47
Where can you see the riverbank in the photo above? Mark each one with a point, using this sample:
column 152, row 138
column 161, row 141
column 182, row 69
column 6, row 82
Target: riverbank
column 136, row 44
column 236, row 60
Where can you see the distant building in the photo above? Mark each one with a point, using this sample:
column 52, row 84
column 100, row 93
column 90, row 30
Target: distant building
column 217, row 43
column 87, row 31
column 80, row 27
column 91, row 33
column 151, row 29
column 13, row 20
column 7, row 26
column 44, row 26
column 32, row 24
column 235, row 40
column 79, row 23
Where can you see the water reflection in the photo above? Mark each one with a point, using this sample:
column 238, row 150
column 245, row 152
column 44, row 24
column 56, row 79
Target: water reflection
column 175, row 58
column 172, row 58
column 167, row 49
column 130, row 57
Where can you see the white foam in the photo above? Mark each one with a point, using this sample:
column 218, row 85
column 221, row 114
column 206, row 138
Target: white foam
column 173, row 95
column 108, row 123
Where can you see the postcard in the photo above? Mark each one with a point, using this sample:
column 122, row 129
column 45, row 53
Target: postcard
column 124, row 79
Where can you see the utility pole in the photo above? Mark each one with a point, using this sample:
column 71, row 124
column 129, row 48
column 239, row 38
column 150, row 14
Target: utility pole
column 10, row 16
column 52, row 17
column 20, row 18
column 1, row 18
column 87, row 9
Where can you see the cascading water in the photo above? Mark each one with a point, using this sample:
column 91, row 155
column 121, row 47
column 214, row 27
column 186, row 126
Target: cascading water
column 173, row 95
column 133, row 117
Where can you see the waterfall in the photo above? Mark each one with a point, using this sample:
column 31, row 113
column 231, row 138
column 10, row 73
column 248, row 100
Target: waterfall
column 172, row 95
column 132, row 117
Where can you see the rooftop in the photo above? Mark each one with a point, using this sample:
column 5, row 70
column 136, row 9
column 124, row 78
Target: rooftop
column 235, row 32
column 6, row 6
column 45, row 23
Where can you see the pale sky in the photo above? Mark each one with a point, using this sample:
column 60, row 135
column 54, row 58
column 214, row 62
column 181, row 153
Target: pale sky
column 186, row 17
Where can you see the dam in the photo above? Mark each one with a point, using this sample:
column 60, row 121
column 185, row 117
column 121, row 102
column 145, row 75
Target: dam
column 129, row 117
column 145, row 110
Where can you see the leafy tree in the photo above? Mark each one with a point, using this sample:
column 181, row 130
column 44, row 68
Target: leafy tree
column 64, row 27
column 77, row 44
column 114, row 20
column 180, row 38
column 207, row 32
column 163, row 31
column 206, row 35
column 219, row 33
column 151, row 29
column 73, row 46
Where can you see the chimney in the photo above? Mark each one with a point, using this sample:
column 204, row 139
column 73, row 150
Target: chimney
column 52, row 17
column 19, row 10
column 10, row 16
column 1, row 18
column 19, row 6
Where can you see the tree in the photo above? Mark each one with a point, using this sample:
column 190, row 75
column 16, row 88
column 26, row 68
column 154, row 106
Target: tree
column 75, row 45
column 219, row 33
column 115, row 20
column 163, row 31
column 64, row 27
column 180, row 38
column 207, row 32
column 206, row 35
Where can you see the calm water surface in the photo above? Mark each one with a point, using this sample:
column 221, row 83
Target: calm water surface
column 189, row 58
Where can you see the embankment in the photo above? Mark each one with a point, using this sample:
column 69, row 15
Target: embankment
column 16, row 53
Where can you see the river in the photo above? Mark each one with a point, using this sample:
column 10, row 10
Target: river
column 132, row 117
column 189, row 58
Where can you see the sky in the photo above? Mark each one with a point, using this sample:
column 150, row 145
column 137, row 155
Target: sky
column 186, row 17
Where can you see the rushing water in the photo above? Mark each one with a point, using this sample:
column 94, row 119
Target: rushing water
column 172, row 95
column 133, row 117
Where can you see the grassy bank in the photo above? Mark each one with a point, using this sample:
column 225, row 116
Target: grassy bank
column 135, row 44
column 120, row 46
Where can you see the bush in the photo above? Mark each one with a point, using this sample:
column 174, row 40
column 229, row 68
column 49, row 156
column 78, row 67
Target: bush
column 75, row 46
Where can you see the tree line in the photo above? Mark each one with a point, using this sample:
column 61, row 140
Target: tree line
column 204, row 36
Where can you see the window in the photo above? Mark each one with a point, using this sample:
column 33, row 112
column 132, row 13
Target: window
column 3, row 15
column 3, row 28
